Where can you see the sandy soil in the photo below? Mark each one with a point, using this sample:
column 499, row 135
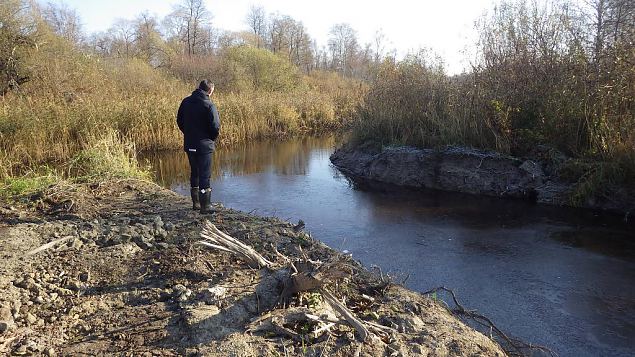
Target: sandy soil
column 126, row 279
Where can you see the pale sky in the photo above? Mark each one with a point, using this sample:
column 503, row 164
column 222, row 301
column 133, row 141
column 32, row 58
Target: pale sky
column 446, row 26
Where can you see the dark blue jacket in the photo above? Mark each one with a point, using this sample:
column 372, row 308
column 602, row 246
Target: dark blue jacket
column 199, row 121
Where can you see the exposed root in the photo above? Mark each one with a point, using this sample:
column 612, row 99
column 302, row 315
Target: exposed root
column 512, row 346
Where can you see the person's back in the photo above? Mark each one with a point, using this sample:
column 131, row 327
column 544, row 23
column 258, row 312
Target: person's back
column 199, row 121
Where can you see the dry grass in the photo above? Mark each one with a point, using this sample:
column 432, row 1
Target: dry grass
column 77, row 98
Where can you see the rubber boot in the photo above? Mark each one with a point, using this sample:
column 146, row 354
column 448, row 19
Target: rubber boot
column 195, row 202
column 205, row 197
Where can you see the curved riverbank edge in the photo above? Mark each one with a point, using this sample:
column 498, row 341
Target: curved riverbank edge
column 123, row 274
column 468, row 170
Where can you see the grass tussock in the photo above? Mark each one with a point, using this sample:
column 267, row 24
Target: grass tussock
column 104, row 158
column 28, row 183
column 109, row 157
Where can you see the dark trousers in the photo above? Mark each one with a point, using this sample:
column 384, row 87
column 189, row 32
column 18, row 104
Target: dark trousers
column 200, row 169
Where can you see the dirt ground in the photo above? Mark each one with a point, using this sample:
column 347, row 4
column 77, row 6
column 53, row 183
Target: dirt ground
column 127, row 279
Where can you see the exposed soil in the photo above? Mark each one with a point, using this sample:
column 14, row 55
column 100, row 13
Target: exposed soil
column 479, row 172
column 128, row 279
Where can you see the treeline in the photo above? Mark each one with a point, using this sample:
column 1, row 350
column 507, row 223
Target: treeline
column 187, row 43
column 549, row 75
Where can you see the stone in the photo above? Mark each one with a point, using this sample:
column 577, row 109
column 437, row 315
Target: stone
column 160, row 233
column 181, row 293
column 6, row 314
column 32, row 346
column 214, row 295
column 533, row 168
column 198, row 315
column 17, row 304
column 30, row 318
column 49, row 352
column 143, row 242
column 157, row 222
column 75, row 243
column 20, row 350
column 6, row 319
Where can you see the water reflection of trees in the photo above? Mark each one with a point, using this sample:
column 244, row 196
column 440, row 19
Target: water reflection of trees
column 476, row 212
column 289, row 157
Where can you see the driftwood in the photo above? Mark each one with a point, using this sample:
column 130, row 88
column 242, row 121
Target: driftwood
column 275, row 321
column 304, row 275
column 512, row 346
column 346, row 313
column 47, row 246
column 215, row 238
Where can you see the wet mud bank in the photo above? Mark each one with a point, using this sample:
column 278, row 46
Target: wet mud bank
column 118, row 272
column 472, row 171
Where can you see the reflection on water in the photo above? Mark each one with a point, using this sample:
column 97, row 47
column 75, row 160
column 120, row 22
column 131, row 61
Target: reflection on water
column 616, row 243
column 557, row 277
column 283, row 157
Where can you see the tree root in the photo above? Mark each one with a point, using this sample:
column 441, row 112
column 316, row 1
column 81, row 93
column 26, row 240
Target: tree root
column 512, row 346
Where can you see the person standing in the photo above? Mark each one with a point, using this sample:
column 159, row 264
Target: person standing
column 199, row 122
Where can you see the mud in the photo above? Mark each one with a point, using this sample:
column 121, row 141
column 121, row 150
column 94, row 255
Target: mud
column 479, row 172
column 129, row 280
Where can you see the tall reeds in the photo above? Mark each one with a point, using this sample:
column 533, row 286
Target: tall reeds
column 76, row 97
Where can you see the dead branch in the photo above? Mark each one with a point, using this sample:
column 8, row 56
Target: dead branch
column 217, row 239
column 308, row 275
column 362, row 331
column 47, row 246
column 515, row 347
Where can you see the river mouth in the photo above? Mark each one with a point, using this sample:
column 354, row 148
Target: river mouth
column 558, row 277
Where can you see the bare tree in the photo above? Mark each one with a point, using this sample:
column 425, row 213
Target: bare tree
column 101, row 43
column 64, row 21
column 379, row 45
column 149, row 44
column 343, row 46
column 291, row 39
column 190, row 21
column 257, row 21
column 123, row 37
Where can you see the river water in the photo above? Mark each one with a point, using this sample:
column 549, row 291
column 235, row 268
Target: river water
column 558, row 277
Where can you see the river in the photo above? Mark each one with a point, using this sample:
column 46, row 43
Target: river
column 562, row 278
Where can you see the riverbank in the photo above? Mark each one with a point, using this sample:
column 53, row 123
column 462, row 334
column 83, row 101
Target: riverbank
column 127, row 277
column 480, row 172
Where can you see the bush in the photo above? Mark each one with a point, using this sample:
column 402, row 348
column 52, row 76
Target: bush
column 108, row 157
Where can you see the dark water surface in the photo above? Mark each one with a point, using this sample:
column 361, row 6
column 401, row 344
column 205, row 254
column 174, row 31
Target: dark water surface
column 557, row 277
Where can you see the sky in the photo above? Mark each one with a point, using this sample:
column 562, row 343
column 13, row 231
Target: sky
column 445, row 26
